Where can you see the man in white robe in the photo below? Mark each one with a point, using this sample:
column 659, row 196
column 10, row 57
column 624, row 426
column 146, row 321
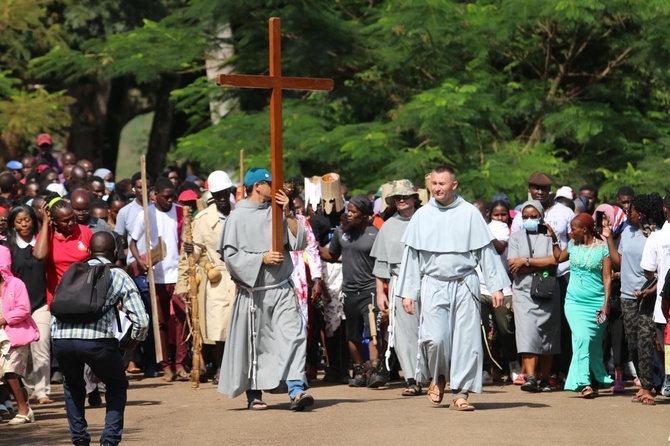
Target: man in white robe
column 444, row 242
column 266, row 341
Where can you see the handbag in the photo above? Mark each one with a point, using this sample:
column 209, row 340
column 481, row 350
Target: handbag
column 543, row 284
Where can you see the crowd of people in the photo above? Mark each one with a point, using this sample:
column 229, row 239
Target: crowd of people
column 559, row 292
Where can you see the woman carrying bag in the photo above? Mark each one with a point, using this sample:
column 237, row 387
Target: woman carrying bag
column 536, row 298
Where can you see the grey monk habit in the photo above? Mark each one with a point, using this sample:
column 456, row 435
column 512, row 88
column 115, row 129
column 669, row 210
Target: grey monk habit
column 443, row 245
column 266, row 339
column 403, row 328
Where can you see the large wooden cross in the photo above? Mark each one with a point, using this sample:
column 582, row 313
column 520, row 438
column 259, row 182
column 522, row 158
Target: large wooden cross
column 276, row 83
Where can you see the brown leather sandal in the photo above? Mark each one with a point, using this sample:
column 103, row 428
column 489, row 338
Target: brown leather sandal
column 462, row 407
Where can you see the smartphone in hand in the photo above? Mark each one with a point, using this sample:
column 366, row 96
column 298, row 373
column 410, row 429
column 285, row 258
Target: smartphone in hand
column 600, row 317
column 599, row 221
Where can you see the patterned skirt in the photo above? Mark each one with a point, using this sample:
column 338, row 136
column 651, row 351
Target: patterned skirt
column 16, row 360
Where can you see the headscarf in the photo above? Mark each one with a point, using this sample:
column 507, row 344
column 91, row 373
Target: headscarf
column 535, row 204
column 102, row 173
column 362, row 203
column 615, row 215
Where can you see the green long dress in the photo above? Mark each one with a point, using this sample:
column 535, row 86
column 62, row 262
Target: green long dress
column 585, row 296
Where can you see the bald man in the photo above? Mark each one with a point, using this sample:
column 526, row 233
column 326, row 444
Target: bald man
column 81, row 203
column 87, row 166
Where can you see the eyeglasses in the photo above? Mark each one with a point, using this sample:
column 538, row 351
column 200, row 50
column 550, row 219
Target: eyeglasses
column 401, row 198
column 530, row 218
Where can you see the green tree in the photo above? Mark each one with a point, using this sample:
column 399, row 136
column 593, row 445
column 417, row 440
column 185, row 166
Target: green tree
column 25, row 107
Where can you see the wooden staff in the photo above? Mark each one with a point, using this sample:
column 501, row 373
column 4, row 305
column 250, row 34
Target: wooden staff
column 373, row 323
column 193, row 299
column 242, row 168
column 149, row 261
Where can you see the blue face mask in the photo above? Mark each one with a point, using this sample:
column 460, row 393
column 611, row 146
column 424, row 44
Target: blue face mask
column 531, row 224
column 109, row 186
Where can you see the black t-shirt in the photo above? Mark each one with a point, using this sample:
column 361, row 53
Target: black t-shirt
column 357, row 264
column 324, row 226
column 33, row 274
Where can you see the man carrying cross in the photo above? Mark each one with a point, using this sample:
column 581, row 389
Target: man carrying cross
column 266, row 338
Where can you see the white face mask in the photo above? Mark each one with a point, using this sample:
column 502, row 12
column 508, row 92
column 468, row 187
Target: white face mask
column 531, row 224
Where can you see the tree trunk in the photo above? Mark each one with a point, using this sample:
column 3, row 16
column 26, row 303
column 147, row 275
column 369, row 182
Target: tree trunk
column 89, row 115
column 160, row 137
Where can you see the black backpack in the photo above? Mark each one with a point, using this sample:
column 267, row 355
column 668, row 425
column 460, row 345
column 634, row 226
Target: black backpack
column 81, row 295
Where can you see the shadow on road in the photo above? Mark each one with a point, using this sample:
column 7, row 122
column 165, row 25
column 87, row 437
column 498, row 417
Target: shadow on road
column 318, row 404
column 502, row 405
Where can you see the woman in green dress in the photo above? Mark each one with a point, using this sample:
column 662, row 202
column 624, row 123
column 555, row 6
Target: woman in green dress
column 586, row 304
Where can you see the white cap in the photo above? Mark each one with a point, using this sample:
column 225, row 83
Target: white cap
column 58, row 188
column 565, row 191
column 218, row 181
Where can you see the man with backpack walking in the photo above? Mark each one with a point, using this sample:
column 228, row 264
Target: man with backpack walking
column 93, row 341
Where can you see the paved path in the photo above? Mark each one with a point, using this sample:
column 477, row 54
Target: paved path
column 160, row 413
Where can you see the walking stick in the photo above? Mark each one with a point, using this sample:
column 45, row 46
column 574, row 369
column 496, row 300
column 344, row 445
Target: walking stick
column 193, row 301
column 373, row 323
column 149, row 261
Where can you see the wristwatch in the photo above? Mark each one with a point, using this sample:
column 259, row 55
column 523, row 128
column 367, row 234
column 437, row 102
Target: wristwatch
column 527, row 261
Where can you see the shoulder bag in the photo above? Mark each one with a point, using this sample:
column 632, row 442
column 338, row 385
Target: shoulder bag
column 543, row 284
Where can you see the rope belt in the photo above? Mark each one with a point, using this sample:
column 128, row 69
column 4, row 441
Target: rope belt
column 252, row 331
column 460, row 278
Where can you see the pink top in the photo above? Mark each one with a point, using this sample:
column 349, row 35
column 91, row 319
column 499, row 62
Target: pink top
column 21, row 328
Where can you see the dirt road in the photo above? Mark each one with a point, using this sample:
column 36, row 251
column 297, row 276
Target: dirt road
column 160, row 413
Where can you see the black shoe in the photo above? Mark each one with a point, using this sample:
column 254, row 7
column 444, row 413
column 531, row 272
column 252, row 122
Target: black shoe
column 81, row 442
column 299, row 404
column 377, row 377
column 94, row 398
column 336, row 377
column 530, row 385
column 545, row 386
column 107, row 443
column 359, row 379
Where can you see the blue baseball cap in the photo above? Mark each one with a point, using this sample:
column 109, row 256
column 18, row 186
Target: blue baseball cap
column 14, row 165
column 256, row 175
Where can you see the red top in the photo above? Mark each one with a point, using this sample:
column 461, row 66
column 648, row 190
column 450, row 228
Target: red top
column 63, row 252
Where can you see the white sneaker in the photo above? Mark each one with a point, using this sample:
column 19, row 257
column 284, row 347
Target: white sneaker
column 666, row 386
column 514, row 369
column 486, row 378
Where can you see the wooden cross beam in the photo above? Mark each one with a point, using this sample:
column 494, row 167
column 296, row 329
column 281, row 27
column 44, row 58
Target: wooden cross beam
column 276, row 83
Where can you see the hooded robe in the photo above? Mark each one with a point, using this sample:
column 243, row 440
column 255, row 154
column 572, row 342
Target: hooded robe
column 265, row 304
column 443, row 245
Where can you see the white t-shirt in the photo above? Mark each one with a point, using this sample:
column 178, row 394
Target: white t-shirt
column 559, row 218
column 500, row 231
column 656, row 257
column 163, row 224
column 125, row 221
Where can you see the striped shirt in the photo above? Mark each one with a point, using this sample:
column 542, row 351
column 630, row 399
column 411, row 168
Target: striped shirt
column 121, row 285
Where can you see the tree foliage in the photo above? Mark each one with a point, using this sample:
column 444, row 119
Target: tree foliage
column 498, row 88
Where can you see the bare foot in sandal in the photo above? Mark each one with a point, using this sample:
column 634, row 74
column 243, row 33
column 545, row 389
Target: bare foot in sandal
column 436, row 390
column 461, row 404
column 257, row 405
column 412, row 390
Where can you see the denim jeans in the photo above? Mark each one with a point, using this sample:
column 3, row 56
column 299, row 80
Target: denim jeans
column 295, row 387
column 104, row 358
column 147, row 346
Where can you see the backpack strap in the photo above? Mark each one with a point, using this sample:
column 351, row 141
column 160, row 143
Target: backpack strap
column 115, row 305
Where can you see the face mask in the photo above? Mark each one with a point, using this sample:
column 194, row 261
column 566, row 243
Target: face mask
column 109, row 186
column 531, row 224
